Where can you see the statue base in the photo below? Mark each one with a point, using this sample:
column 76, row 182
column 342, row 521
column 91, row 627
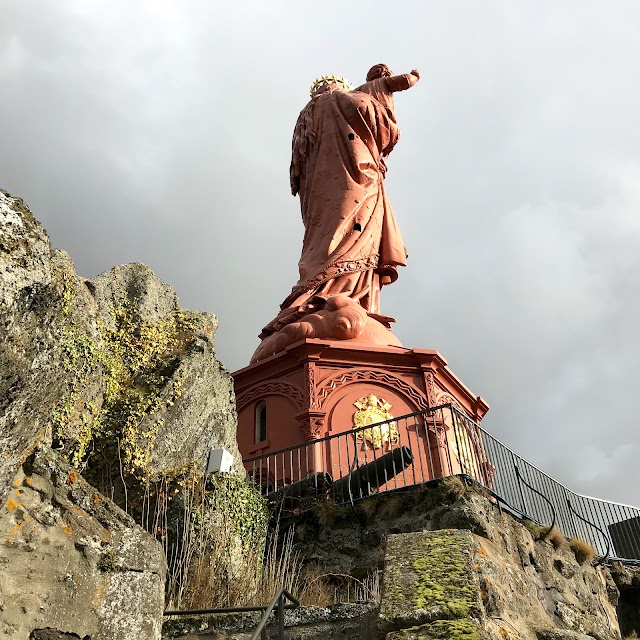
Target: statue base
column 309, row 390
column 338, row 318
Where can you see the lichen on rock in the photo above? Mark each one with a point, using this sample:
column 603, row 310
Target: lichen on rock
column 441, row 629
column 111, row 370
column 72, row 561
column 428, row 576
column 124, row 385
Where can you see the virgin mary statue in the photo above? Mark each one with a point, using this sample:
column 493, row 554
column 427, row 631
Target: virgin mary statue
column 352, row 244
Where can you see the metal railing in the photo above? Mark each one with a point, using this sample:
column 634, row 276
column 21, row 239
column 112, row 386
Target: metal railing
column 278, row 603
column 433, row 444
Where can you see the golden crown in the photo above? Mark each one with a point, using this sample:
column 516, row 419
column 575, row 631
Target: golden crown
column 341, row 81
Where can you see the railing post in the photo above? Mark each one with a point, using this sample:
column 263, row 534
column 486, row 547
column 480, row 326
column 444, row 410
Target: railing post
column 281, row 617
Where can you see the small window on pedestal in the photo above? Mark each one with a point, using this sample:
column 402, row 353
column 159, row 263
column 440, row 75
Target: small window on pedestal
column 261, row 421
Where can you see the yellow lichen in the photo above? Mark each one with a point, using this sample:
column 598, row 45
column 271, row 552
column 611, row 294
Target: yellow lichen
column 136, row 360
column 442, row 571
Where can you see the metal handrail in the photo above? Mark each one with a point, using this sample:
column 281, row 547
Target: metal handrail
column 356, row 431
column 279, row 600
column 605, row 557
column 553, row 511
column 482, row 449
column 196, row 612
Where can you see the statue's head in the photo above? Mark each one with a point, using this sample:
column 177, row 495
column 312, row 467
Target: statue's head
column 330, row 83
column 378, row 71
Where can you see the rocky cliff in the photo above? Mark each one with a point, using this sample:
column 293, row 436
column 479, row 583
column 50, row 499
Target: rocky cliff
column 110, row 370
column 454, row 566
column 458, row 566
column 110, row 399
column 71, row 561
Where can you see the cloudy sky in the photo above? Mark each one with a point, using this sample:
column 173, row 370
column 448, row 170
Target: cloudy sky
column 159, row 131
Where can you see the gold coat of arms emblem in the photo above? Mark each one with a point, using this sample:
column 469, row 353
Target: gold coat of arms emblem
column 372, row 411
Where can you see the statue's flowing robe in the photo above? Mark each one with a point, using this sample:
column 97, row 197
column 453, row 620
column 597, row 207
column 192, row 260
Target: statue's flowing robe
column 352, row 243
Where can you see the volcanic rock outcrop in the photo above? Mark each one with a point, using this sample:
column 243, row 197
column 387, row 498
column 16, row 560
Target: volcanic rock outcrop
column 106, row 386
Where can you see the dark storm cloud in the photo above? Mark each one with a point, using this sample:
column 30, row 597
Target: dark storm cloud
column 160, row 132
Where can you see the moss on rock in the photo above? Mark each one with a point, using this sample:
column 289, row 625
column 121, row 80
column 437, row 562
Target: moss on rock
column 440, row 629
column 428, row 576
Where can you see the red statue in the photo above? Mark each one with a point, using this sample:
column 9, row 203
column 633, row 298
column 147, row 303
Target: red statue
column 352, row 245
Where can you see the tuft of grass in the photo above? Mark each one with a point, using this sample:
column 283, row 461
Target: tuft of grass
column 542, row 532
column 281, row 567
column 555, row 537
column 453, row 487
column 327, row 513
column 583, row 551
column 316, row 589
column 391, row 505
column 255, row 580
column 534, row 529
column 213, row 530
column 368, row 508
column 322, row 589
column 107, row 562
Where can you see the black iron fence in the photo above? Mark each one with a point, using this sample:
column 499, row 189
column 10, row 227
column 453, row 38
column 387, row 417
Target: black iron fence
column 277, row 604
column 433, row 444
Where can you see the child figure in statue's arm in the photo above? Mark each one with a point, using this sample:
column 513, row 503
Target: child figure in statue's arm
column 381, row 82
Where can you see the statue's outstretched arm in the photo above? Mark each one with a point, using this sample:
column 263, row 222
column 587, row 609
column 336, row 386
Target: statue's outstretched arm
column 402, row 82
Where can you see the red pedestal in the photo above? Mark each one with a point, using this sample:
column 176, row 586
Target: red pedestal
column 308, row 391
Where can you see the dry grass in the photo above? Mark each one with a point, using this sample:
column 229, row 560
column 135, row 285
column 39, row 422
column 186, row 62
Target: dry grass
column 583, row 551
column 182, row 543
column 453, row 487
column 315, row 588
column 555, row 537
column 368, row 508
column 209, row 564
column 281, row 568
column 391, row 505
column 542, row 532
column 206, row 572
column 322, row 589
column 328, row 513
column 256, row 578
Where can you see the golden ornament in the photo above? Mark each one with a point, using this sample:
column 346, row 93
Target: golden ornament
column 373, row 410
